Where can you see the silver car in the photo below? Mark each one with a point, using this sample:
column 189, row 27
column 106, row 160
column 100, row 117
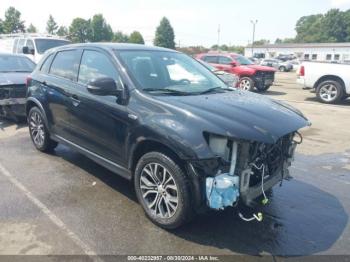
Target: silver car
column 278, row 64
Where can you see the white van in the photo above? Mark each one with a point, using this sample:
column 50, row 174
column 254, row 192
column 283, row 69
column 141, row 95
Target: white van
column 32, row 45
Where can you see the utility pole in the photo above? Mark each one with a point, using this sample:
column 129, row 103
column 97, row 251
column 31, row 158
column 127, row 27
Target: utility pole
column 218, row 36
column 254, row 22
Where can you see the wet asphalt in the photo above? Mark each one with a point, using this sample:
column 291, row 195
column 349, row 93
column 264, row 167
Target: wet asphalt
column 63, row 203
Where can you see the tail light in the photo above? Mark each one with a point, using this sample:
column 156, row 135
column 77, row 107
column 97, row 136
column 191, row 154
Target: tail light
column 28, row 79
column 302, row 71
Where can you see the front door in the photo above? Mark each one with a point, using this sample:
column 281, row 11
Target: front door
column 99, row 122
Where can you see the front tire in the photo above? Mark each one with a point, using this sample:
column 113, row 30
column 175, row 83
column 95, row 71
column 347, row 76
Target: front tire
column 38, row 131
column 246, row 83
column 163, row 190
column 330, row 92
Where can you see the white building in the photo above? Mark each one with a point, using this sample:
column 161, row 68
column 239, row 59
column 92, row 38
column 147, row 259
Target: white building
column 310, row 51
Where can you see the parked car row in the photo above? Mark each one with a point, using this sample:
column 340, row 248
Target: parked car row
column 277, row 64
column 250, row 75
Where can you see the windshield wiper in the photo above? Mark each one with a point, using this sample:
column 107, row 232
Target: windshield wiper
column 166, row 90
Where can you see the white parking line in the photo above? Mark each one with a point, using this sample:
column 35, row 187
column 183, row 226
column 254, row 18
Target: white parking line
column 58, row 222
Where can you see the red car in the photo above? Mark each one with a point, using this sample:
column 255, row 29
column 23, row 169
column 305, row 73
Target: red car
column 250, row 74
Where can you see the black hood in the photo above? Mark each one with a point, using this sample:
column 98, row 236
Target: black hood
column 13, row 78
column 240, row 114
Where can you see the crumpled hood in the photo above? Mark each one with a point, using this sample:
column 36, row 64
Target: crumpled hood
column 13, row 78
column 240, row 114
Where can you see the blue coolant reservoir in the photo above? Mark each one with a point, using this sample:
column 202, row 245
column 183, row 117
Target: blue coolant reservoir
column 222, row 191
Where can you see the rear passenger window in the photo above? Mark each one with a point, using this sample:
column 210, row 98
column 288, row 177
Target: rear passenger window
column 66, row 64
column 46, row 65
column 95, row 65
column 211, row 59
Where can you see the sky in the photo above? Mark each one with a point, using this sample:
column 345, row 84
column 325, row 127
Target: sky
column 195, row 22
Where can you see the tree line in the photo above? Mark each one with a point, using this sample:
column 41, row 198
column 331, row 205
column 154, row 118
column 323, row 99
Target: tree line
column 95, row 29
column 331, row 27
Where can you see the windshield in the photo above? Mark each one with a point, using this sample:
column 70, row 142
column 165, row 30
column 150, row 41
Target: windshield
column 243, row 60
column 168, row 71
column 9, row 63
column 44, row 44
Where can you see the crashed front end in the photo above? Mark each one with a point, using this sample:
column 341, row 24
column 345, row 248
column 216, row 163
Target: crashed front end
column 244, row 170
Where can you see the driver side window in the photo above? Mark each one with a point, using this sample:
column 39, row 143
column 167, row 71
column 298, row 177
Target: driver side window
column 96, row 65
column 224, row 60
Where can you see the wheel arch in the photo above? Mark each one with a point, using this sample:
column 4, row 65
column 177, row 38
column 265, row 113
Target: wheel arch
column 330, row 77
column 33, row 102
column 150, row 145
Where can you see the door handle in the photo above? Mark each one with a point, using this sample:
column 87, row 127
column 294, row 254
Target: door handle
column 75, row 100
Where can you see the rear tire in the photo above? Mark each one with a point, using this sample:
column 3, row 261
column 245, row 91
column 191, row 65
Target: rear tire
column 330, row 92
column 246, row 83
column 163, row 190
column 39, row 132
column 283, row 69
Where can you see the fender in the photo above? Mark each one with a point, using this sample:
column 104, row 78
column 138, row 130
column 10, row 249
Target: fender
column 38, row 104
column 143, row 134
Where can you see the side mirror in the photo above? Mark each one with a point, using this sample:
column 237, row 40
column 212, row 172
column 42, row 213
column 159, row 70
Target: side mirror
column 233, row 64
column 103, row 86
column 27, row 51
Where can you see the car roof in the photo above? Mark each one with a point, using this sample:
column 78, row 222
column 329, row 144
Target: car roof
column 115, row 46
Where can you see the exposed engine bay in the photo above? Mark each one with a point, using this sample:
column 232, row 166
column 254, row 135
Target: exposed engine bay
column 249, row 169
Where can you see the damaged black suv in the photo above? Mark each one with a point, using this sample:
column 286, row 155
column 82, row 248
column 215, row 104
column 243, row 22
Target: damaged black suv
column 163, row 120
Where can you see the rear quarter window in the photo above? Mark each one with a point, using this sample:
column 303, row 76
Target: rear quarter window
column 46, row 64
column 66, row 64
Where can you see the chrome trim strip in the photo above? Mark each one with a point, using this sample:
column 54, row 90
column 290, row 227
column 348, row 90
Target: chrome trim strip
column 92, row 153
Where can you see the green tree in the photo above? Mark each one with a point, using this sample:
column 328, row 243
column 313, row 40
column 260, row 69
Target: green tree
column 80, row 30
column 32, row 29
column 309, row 29
column 62, row 31
column 51, row 25
column 101, row 31
column 2, row 26
column 261, row 42
column 120, row 37
column 214, row 47
column 13, row 22
column 165, row 36
column 334, row 26
column 136, row 38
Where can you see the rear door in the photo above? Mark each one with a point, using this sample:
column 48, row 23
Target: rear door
column 59, row 85
column 99, row 122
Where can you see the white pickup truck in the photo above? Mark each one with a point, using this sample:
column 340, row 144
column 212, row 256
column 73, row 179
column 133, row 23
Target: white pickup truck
column 330, row 81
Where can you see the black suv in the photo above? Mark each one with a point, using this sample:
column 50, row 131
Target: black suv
column 160, row 118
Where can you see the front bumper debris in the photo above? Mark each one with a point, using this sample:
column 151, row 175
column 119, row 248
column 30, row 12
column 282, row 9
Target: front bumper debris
column 248, row 180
